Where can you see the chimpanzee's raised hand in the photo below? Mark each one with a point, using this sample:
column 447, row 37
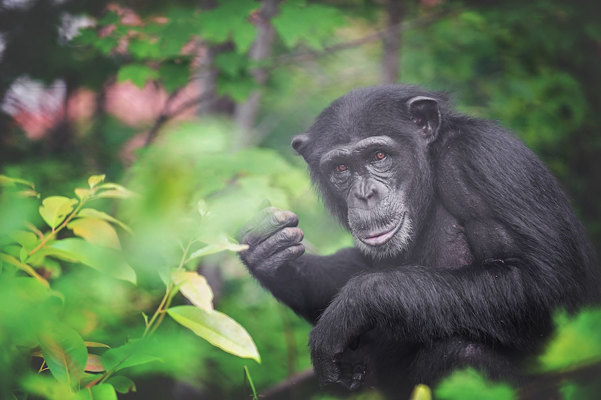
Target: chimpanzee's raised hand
column 273, row 239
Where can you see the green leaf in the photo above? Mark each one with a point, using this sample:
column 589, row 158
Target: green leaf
column 229, row 20
column 25, row 238
column 95, row 180
column 222, row 243
column 218, row 329
column 95, row 231
column 138, row 74
column 292, row 27
column 103, row 391
column 47, row 387
column 8, row 181
column 468, row 384
column 93, row 213
column 233, row 64
column 174, row 76
column 114, row 191
column 65, row 353
column 144, row 48
column 122, row 384
column 54, row 209
column 577, row 339
column 195, row 288
column 110, row 18
column 238, row 89
column 102, row 259
column 129, row 355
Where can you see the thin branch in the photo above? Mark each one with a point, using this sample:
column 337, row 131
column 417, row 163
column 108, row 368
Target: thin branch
column 165, row 115
column 283, row 389
column 379, row 35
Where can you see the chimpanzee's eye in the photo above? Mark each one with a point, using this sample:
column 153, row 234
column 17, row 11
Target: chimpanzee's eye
column 341, row 168
column 380, row 155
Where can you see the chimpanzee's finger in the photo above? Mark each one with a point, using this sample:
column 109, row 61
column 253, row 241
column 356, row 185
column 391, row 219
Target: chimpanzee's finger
column 281, row 257
column 268, row 222
column 279, row 241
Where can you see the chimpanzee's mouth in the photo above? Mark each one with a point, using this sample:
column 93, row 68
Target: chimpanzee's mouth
column 380, row 238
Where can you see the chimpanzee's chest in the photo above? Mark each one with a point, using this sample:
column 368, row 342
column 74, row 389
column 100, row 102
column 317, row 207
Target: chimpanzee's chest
column 443, row 242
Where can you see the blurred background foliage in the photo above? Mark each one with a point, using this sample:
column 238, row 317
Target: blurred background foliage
column 192, row 104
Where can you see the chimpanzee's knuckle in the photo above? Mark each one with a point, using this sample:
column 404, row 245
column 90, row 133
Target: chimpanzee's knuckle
column 294, row 251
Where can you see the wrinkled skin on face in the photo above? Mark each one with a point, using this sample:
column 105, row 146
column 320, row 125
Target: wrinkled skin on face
column 371, row 170
column 368, row 175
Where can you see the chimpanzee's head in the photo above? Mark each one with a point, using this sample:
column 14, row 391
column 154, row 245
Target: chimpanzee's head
column 369, row 155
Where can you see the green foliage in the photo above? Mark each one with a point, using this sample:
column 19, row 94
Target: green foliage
column 577, row 340
column 292, row 27
column 137, row 74
column 229, row 20
column 469, row 384
column 218, row 329
column 79, row 372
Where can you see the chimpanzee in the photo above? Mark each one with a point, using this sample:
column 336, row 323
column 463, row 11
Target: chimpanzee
column 465, row 244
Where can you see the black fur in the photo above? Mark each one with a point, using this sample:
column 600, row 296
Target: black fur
column 494, row 247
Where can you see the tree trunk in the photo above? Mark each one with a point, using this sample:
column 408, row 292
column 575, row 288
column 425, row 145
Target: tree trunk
column 391, row 41
column 246, row 112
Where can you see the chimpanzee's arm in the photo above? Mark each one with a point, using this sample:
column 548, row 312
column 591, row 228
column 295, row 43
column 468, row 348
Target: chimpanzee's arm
column 306, row 283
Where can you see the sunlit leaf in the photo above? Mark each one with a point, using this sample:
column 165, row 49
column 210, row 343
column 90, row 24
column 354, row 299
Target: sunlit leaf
column 83, row 193
column 95, row 180
column 122, row 384
column 95, row 231
column 218, row 329
column 5, row 180
column 102, row 259
column 64, row 352
column 93, row 213
column 97, row 344
column 421, row 392
column 195, row 288
column 222, row 243
column 114, row 191
column 54, row 209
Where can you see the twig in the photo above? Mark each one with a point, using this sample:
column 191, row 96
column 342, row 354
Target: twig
column 545, row 386
column 294, row 57
column 166, row 115
column 282, row 389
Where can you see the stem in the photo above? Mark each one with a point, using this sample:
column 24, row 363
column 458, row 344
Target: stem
column 27, row 268
column 35, row 230
column 166, row 300
column 61, row 226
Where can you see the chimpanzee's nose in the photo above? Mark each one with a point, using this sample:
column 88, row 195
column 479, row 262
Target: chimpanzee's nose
column 365, row 195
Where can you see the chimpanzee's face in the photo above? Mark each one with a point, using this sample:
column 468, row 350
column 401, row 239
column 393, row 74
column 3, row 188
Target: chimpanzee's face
column 369, row 158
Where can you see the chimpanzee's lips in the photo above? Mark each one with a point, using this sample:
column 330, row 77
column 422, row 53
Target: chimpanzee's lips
column 379, row 238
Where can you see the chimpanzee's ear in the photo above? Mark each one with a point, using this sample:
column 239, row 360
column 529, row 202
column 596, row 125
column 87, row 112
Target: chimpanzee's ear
column 425, row 113
column 299, row 143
